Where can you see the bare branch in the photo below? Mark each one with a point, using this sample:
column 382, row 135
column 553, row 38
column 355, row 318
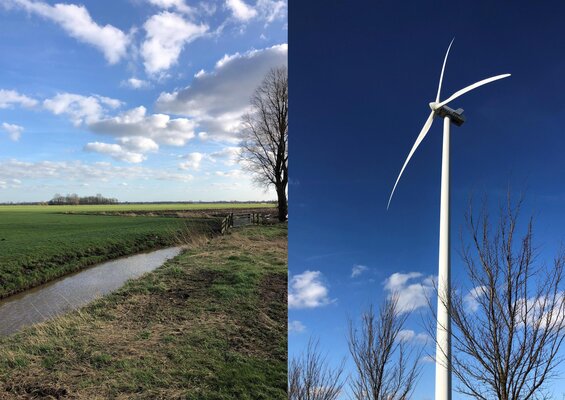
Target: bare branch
column 506, row 343
column 265, row 136
column 387, row 367
column 311, row 378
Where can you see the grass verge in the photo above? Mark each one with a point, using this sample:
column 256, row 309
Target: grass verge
column 209, row 324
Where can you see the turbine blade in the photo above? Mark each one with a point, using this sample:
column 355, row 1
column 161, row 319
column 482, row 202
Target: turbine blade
column 419, row 139
column 442, row 70
column 471, row 87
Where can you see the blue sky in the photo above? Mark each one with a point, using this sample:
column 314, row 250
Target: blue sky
column 362, row 75
column 140, row 100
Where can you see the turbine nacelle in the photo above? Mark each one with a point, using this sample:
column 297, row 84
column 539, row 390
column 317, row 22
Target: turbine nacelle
column 455, row 116
column 433, row 105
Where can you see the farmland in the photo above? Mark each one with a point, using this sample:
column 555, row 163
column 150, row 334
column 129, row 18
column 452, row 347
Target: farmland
column 209, row 324
column 40, row 243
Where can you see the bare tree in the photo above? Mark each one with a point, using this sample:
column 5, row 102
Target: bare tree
column 508, row 328
column 387, row 366
column 311, row 378
column 265, row 141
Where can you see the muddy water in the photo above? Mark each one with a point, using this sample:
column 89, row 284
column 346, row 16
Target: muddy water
column 75, row 290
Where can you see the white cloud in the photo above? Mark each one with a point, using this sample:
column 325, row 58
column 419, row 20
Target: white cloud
column 217, row 100
column 545, row 311
column 264, row 10
column 307, row 290
column 427, row 359
column 115, row 151
column 408, row 335
column 10, row 184
column 192, row 162
column 271, row 10
column 80, row 108
column 76, row 21
column 411, row 295
column 236, row 173
column 179, row 5
column 138, row 144
column 228, row 155
column 471, row 299
column 160, row 128
column 135, row 83
column 240, row 10
column 358, row 270
column 77, row 171
column 295, row 327
column 14, row 131
column 397, row 280
column 166, row 35
column 10, row 98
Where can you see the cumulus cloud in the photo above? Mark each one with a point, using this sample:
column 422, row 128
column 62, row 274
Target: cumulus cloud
column 166, row 35
column 179, row 5
column 77, row 171
column 115, row 151
column 77, row 22
column 192, row 162
column 135, row 83
column 80, row 108
column 160, row 128
column 217, row 100
column 228, row 155
column 546, row 312
column 357, row 270
column 240, row 10
column 264, row 10
column 471, row 299
column 308, row 290
column 14, row 131
column 408, row 335
column 10, row 98
column 136, row 131
column 412, row 290
column 138, row 144
column 295, row 327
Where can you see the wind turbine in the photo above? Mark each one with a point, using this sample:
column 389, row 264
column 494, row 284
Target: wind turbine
column 443, row 343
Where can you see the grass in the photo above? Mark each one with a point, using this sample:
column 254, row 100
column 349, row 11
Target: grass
column 41, row 243
column 130, row 207
column 209, row 324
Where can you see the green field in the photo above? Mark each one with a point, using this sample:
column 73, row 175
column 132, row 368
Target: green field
column 209, row 324
column 40, row 243
column 130, row 207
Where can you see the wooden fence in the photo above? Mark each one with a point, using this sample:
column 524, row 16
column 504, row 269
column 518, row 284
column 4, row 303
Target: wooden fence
column 227, row 223
column 237, row 220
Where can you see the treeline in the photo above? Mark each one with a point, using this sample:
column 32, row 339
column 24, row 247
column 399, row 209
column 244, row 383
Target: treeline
column 75, row 199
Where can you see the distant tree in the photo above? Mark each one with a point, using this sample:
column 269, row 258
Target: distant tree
column 310, row 377
column 387, row 367
column 265, row 137
column 74, row 199
column 508, row 328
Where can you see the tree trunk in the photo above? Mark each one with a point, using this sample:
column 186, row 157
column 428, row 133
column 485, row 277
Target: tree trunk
column 283, row 205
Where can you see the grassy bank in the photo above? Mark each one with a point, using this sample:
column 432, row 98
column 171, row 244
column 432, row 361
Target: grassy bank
column 37, row 247
column 210, row 324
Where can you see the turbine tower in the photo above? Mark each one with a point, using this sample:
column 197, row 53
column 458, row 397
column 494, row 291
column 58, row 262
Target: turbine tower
column 443, row 333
